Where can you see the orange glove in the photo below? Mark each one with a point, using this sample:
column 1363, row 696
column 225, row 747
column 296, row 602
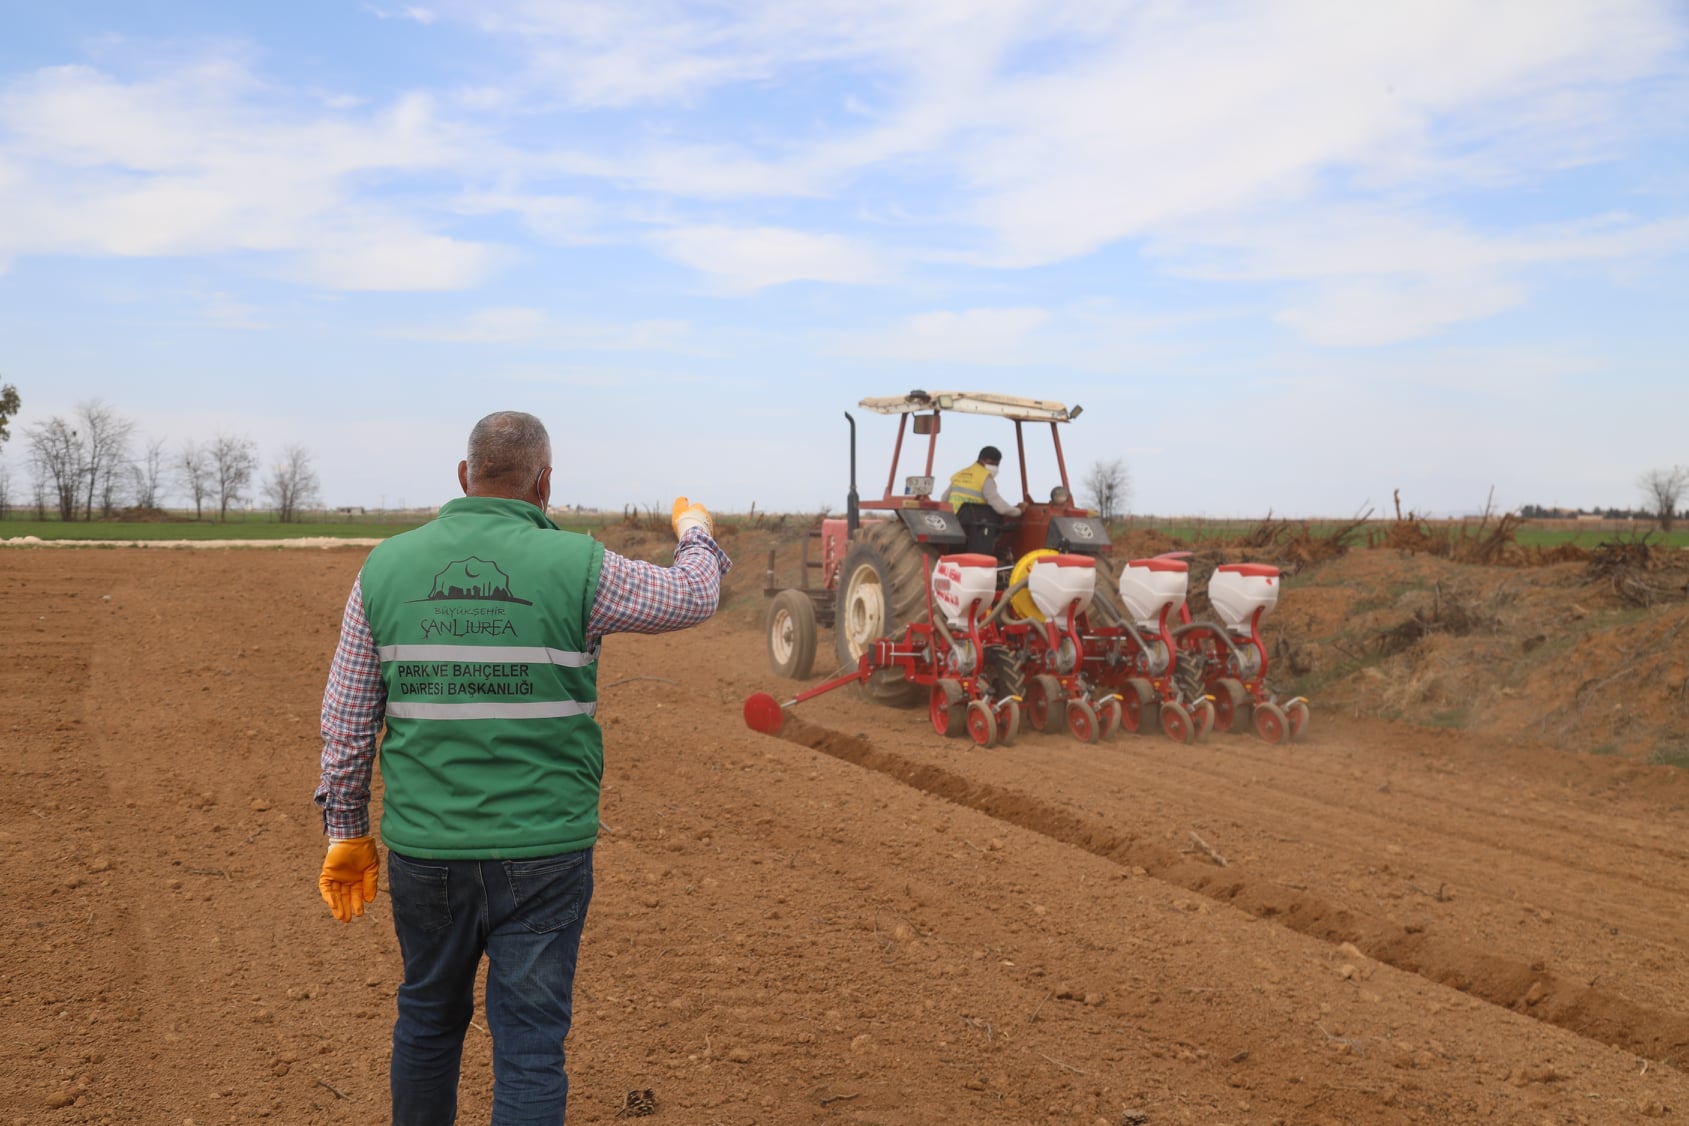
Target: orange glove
column 687, row 516
column 348, row 879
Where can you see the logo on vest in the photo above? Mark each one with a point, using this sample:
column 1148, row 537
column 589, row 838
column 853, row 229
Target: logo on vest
column 472, row 580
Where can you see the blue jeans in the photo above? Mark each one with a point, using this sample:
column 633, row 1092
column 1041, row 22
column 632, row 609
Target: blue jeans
column 526, row 916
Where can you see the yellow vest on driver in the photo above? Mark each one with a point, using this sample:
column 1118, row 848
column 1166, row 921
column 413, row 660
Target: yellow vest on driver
column 968, row 486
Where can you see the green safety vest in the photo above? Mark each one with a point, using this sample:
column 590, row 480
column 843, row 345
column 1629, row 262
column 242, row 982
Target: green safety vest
column 480, row 617
column 968, row 486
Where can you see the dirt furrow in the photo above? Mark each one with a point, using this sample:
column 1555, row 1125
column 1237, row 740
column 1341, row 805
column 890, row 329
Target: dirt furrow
column 1520, row 985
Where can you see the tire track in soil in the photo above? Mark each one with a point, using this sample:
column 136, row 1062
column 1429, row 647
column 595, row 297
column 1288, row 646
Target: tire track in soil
column 1528, row 988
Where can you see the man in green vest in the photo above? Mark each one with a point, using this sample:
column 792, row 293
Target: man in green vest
column 474, row 639
column 978, row 505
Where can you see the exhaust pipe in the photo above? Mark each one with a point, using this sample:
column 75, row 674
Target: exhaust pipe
column 853, row 511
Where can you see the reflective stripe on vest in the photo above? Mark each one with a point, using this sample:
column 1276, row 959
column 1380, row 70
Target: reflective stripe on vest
column 968, row 486
column 534, row 654
column 545, row 709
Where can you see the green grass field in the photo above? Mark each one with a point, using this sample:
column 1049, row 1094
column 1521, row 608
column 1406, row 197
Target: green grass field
column 263, row 526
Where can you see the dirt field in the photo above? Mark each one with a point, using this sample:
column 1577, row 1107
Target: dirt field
column 860, row 922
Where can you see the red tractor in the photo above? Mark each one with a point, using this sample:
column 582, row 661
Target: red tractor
column 989, row 620
column 870, row 578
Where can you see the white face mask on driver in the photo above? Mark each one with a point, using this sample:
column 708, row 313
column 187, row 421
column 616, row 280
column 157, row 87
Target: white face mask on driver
column 991, row 470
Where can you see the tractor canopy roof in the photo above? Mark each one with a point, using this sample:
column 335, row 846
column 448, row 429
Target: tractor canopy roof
column 973, row 402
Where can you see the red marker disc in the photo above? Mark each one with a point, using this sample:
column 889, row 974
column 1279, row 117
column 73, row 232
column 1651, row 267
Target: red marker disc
column 763, row 713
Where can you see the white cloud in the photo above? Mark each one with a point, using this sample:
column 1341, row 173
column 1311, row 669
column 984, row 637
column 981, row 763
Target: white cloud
column 745, row 259
column 975, row 336
column 194, row 162
column 565, row 220
column 397, row 260
column 1057, row 129
column 1365, row 313
column 1231, row 139
column 526, row 325
column 1094, row 337
column 420, row 15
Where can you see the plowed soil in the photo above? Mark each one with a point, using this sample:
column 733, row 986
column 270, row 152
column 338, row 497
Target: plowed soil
column 859, row 921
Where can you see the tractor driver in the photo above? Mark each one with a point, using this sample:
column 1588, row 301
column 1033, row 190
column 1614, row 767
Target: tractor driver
column 980, row 507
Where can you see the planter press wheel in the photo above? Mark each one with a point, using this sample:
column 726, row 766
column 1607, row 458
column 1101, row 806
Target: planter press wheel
column 882, row 589
column 1044, row 709
column 1231, row 705
column 1176, row 721
column 1138, row 711
column 791, row 634
column 947, row 704
column 1008, row 723
column 1082, row 720
column 982, row 724
column 1203, row 714
column 1297, row 715
column 1109, row 716
column 1270, row 723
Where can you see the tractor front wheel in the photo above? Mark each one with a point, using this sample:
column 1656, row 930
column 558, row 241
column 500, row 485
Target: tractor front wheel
column 791, row 634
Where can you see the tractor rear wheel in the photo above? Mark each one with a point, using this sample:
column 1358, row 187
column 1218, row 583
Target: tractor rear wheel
column 791, row 634
column 882, row 589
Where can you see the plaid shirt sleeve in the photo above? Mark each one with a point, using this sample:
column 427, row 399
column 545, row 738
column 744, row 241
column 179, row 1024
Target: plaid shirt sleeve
column 638, row 597
column 354, row 708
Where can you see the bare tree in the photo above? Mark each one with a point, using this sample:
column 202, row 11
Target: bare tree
column 292, row 483
column 58, row 461
column 232, row 461
column 148, row 472
column 1110, row 487
column 193, row 469
column 1662, row 493
column 38, row 491
column 105, row 450
column 5, row 491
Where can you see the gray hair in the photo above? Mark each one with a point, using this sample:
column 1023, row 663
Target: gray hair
column 507, row 448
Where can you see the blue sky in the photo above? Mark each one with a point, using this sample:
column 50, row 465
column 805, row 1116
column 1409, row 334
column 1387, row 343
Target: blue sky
column 1289, row 256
